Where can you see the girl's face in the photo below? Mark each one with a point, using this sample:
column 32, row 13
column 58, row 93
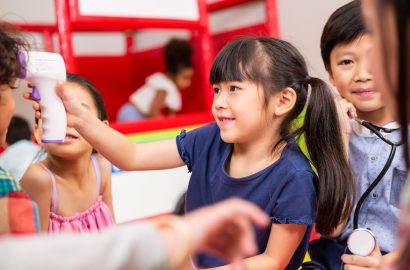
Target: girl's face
column 74, row 145
column 7, row 106
column 384, row 65
column 239, row 111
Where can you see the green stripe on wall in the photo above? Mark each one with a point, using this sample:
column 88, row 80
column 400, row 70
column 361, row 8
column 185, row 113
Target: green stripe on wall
column 158, row 135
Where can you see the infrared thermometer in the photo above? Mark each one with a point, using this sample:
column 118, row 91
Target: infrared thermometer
column 44, row 70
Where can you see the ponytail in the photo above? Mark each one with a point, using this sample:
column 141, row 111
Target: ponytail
column 336, row 187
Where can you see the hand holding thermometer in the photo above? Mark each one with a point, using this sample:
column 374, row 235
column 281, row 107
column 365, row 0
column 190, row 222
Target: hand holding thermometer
column 362, row 241
column 44, row 70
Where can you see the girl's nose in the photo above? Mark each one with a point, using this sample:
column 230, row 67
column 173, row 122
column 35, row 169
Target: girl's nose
column 220, row 100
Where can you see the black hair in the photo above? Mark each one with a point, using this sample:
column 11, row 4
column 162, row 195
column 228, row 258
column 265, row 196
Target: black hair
column 178, row 55
column 19, row 129
column 11, row 43
column 402, row 16
column 95, row 93
column 345, row 25
column 275, row 65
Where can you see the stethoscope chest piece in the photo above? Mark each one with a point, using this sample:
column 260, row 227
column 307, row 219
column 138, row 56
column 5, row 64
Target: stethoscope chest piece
column 361, row 242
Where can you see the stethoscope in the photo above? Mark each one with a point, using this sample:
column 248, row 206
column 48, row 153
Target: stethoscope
column 362, row 241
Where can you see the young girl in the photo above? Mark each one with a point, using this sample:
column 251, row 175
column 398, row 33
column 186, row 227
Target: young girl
column 160, row 90
column 260, row 86
column 72, row 186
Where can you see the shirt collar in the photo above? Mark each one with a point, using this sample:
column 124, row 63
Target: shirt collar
column 360, row 130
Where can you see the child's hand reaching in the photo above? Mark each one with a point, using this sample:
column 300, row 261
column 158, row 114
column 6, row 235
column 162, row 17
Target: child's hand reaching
column 75, row 112
column 346, row 112
column 225, row 229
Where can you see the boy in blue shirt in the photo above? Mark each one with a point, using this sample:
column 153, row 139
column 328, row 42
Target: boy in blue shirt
column 345, row 48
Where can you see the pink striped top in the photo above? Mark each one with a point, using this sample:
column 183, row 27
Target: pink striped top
column 95, row 218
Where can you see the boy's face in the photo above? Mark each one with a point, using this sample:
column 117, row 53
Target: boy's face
column 350, row 74
column 7, row 106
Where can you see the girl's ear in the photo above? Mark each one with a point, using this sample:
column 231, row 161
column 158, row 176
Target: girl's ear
column 285, row 101
column 106, row 122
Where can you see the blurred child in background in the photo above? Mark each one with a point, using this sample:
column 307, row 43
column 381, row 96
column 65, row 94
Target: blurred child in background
column 161, row 91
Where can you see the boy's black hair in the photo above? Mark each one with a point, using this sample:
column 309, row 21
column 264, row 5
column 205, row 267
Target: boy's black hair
column 11, row 43
column 276, row 65
column 343, row 26
column 178, row 54
column 19, row 129
column 95, row 93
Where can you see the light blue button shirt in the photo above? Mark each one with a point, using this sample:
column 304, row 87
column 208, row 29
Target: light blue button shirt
column 380, row 211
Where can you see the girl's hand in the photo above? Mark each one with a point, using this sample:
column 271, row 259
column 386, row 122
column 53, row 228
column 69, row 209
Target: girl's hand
column 36, row 105
column 75, row 111
column 371, row 262
column 225, row 230
column 346, row 112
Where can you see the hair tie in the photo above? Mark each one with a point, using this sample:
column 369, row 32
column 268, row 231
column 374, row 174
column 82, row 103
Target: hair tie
column 307, row 79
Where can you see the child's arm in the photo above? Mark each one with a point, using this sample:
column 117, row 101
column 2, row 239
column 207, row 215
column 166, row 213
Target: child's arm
column 157, row 103
column 116, row 147
column 105, row 167
column 37, row 183
column 283, row 242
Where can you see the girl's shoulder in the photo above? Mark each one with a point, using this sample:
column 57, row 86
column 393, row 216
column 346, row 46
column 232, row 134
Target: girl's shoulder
column 204, row 136
column 102, row 161
column 294, row 156
column 205, row 131
column 36, row 177
column 105, row 168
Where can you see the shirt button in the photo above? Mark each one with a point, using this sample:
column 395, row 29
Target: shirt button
column 373, row 158
column 374, row 195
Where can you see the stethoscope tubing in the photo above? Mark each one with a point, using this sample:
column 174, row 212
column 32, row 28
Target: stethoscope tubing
column 376, row 181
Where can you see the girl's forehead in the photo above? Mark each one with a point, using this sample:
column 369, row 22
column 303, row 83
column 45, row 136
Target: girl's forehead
column 82, row 94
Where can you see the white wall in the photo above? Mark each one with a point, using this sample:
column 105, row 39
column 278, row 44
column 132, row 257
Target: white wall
column 301, row 22
column 148, row 193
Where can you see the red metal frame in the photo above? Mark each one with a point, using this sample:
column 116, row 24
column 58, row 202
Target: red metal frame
column 207, row 56
column 226, row 4
column 65, row 35
column 69, row 20
column 272, row 20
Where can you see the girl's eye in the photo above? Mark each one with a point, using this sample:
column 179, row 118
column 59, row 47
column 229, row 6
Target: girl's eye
column 233, row 88
column 216, row 90
column 346, row 62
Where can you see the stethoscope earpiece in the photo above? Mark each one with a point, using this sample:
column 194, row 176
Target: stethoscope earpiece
column 361, row 242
